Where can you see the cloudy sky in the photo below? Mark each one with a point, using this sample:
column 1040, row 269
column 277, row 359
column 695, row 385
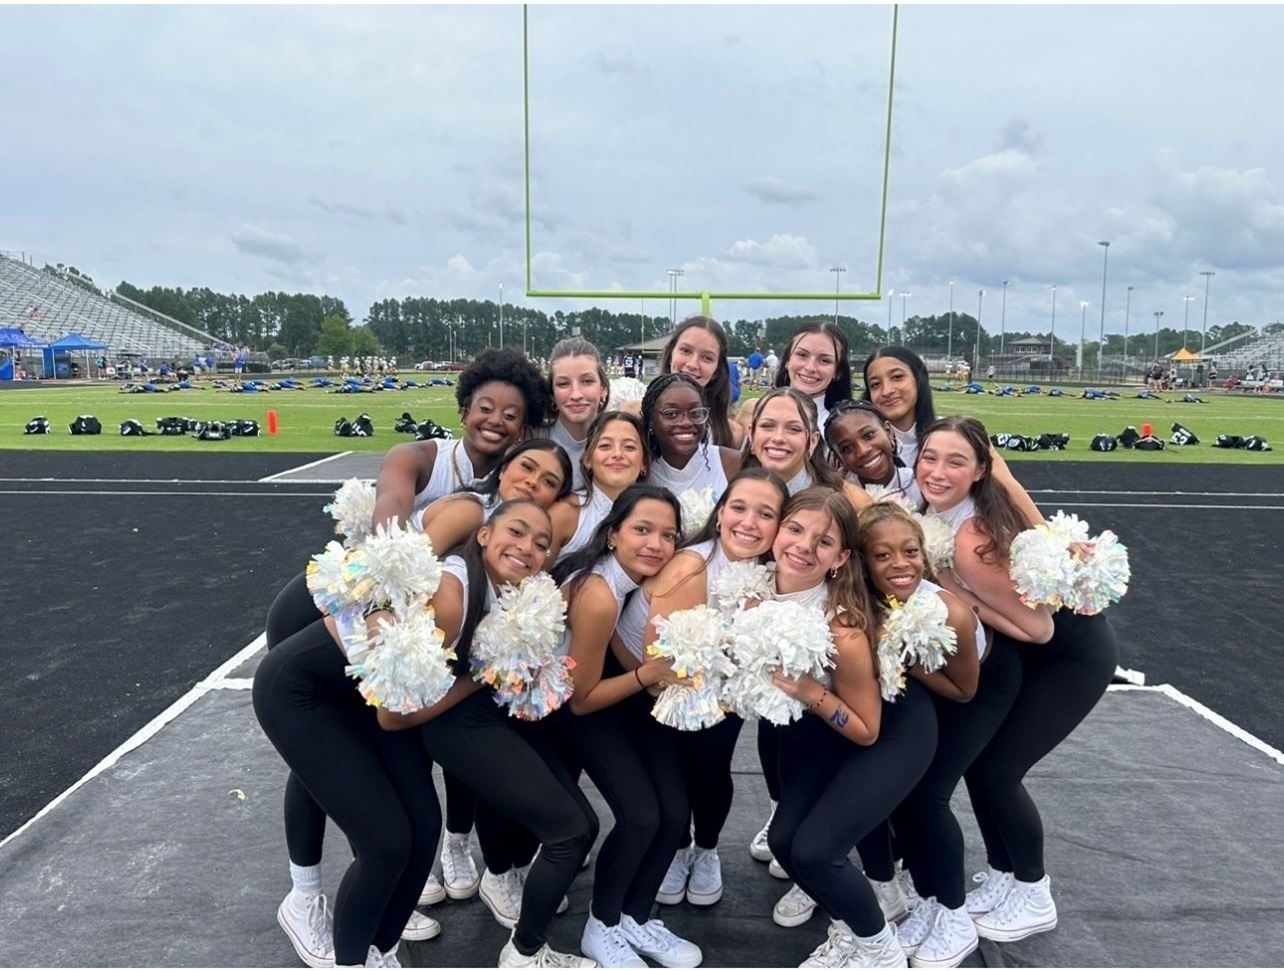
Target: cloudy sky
column 370, row 153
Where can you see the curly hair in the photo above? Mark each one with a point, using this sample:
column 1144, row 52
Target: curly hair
column 718, row 392
column 839, row 388
column 511, row 367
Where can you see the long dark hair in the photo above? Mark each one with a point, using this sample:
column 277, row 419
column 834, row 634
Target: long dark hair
column 839, row 388
column 821, row 472
column 924, row 409
column 653, row 391
column 488, row 485
column 758, row 474
column 718, row 391
column 570, row 572
column 997, row 516
column 478, row 580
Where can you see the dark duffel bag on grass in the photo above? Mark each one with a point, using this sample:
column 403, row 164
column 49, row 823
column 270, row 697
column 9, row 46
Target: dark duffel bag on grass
column 38, row 426
column 86, row 425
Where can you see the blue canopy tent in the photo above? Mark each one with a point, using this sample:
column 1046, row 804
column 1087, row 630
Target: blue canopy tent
column 68, row 345
column 12, row 339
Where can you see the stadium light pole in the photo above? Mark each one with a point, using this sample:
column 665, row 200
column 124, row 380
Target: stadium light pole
column 1158, row 314
column 949, row 344
column 501, row 315
column 1101, row 336
column 1083, row 331
column 1052, row 334
column 1127, row 314
column 976, row 354
column 1208, row 279
column 890, row 295
column 836, row 269
column 674, row 274
column 1003, row 317
column 1185, row 320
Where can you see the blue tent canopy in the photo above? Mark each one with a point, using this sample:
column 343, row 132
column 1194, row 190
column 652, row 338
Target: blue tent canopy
column 13, row 337
column 77, row 342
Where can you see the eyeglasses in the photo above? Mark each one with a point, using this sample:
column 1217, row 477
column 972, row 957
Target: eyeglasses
column 697, row 416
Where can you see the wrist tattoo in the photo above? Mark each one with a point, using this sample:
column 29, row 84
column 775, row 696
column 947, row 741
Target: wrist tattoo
column 840, row 716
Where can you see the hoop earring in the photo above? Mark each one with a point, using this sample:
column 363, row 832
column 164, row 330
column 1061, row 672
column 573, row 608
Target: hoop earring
column 833, row 574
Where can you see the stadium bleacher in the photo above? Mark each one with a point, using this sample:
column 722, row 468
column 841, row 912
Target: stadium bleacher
column 47, row 306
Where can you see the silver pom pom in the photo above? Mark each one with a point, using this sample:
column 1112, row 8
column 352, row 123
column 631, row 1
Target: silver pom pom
column 352, row 510
column 516, row 648
column 696, row 640
column 778, row 635
column 406, row 667
column 915, row 632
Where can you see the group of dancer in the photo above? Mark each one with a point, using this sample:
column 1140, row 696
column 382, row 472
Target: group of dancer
column 548, row 476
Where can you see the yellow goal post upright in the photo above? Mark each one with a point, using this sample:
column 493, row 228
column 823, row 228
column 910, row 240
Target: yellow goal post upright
column 706, row 297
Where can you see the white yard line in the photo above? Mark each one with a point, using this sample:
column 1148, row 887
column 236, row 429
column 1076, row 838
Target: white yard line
column 151, row 492
column 1157, row 505
column 218, row 678
column 308, row 465
column 1222, row 722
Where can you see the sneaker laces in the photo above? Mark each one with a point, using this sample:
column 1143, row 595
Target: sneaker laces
column 837, row 944
column 920, row 921
column 510, row 889
column 618, row 949
column 658, row 935
column 320, row 930
column 1007, row 910
column 456, row 858
column 389, row 960
column 797, row 899
column 705, row 866
column 546, row 957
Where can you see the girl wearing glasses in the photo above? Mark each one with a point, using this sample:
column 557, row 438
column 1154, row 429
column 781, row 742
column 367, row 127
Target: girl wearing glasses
column 676, row 420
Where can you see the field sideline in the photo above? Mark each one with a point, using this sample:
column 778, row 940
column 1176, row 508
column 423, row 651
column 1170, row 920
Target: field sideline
column 307, row 420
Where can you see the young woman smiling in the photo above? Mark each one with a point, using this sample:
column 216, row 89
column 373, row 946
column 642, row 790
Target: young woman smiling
column 676, row 420
column 816, row 363
column 1066, row 661
column 862, row 440
column 742, row 527
column 509, row 763
column 698, row 349
column 580, row 392
column 630, row 758
column 615, row 458
column 843, row 770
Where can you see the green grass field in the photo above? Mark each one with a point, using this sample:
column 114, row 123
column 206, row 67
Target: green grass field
column 307, row 420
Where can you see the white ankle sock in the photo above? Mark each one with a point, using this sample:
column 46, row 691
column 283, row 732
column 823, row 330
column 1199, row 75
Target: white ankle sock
column 307, row 879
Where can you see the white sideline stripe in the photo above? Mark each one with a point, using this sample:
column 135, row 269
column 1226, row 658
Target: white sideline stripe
column 56, row 480
column 1129, row 675
column 216, row 678
column 1157, row 505
column 150, row 492
column 1121, row 492
column 1225, row 724
column 307, row 465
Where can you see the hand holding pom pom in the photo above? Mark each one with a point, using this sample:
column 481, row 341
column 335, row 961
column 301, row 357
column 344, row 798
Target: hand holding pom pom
column 914, row 632
column 778, row 636
column 406, row 667
column 1049, row 566
column 693, row 640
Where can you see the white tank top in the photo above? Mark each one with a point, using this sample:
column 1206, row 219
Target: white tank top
column 632, row 623
column 455, row 566
column 927, row 584
column 621, row 585
column 451, row 469
column 906, row 445
column 703, row 470
column 802, row 480
column 955, row 517
column 902, row 481
column 575, row 449
column 591, row 513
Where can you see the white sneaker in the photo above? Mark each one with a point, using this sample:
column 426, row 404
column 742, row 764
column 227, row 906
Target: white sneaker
column 837, row 951
column 952, row 938
column 674, row 887
column 433, row 892
column 502, row 893
column 794, row 908
column 389, row 960
column 917, row 926
column 661, row 945
column 420, row 927
column 458, row 870
column 907, row 888
column 776, row 870
column 608, row 945
column 373, row 958
column 879, row 951
column 307, row 922
column 1027, row 909
column 891, row 899
column 992, row 887
column 704, row 889
column 588, row 859
column 545, row 957
column 758, row 847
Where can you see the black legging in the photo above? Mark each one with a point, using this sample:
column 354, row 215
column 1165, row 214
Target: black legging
column 1061, row 682
column 375, row 785
column 925, row 827
column 634, row 762
column 769, row 756
column 292, row 611
column 834, row 792
column 515, row 771
column 706, row 767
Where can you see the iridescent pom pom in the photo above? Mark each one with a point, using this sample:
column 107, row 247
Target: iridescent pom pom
column 914, row 632
column 695, row 640
column 406, row 667
column 778, row 635
column 516, row 649
column 352, row 510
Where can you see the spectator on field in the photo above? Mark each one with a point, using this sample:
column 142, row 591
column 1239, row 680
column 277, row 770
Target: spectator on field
column 755, row 368
column 772, row 364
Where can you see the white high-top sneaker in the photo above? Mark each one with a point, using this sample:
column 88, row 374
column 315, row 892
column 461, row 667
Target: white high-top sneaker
column 655, row 941
column 891, row 899
column 608, row 945
column 1027, row 909
column 992, row 886
column 794, row 908
column 914, row 931
column 758, row 847
column 545, row 957
column 307, row 922
column 502, row 893
column 704, row 888
column 837, row 951
column 433, row 892
column 674, row 887
column 458, row 868
column 951, row 939
column 420, row 927
column 879, row 951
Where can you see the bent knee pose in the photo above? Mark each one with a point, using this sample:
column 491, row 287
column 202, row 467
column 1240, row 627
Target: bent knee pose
column 510, row 766
column 633, row 762
column 852, row 756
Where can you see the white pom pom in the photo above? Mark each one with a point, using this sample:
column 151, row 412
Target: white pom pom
column 695, row 640
column 889, row 493
column 1103, row 578
column 626, row 389
column 406, row 667
column 697, row 506
column 330, row 580
column 1041, row 567
column 938, row 542
column 352, row 509
column 1068, row 527
column 776, row 635
column 914, row 632
column 739, row 582
column 402, row 565
column 515, row 649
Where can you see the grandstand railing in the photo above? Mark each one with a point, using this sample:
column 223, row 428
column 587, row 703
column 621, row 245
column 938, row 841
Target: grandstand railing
column 187, row 330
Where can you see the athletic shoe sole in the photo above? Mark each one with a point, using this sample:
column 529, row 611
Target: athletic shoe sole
column 463, row 893
column 794, row 920
column 1008, row 937
column 306, row 956
column 762, row 854
column 670, row 899
column 951, row 962
column 703, row 899
column 436, row 897
column 426, row 933
column 495, row 912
